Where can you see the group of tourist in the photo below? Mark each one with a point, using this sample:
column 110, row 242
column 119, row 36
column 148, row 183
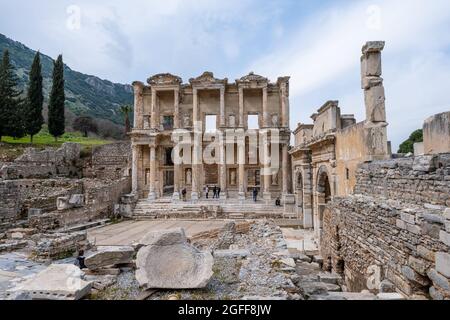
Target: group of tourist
column 216, row 192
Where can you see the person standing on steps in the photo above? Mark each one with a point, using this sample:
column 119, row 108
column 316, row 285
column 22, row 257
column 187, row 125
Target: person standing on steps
column 218, row 192
column 207, row 192
column 214, row 192
column 255, row 194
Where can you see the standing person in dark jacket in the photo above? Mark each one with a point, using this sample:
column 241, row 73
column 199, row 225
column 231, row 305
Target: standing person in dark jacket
column 255, row 194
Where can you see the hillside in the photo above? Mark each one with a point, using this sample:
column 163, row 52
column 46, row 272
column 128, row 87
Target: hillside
column 85, row 94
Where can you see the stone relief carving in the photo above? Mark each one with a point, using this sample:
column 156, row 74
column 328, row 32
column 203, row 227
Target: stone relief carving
column 186, row 120
column 233, row 177
column 275, row 120
column 188, row 176
column 164, row 79
column 252, row 77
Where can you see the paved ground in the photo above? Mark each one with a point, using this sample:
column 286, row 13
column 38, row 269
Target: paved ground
column 300, row 240
column 125, row 233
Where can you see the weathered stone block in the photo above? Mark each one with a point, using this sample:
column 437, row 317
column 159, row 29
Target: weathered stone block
column 413, row 228
column 419, row 265
column 109, row 256
column 375, row 104
column 408, row 217
column 425, row 253
column 435, row 294
column 438, row 279
column 445, row 237
column 57, row 282
column 410, row 274
column 400, row 224
column 424, row 163
column 447, row 213
column 443, row 263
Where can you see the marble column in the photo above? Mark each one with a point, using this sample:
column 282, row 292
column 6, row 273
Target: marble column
column 195, row 148
column 222, row 107
column 138, row 105
column 152, row 191
column 223, row 170
column 241, row 107
column 176, row 114
column 284, row 106
column 177, row 182
column 241, row 161
column 135, row 168
column 285, row 169
column 266, row 120
column 267, row 170
column 153, row 121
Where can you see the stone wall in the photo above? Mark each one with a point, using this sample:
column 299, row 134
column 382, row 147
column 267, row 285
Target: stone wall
column 111, row 161
column 394, row 229
column 101, row 197
column 18, row 196
column 45, row 164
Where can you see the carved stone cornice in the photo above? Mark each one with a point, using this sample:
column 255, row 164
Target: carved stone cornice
column 252, row 80
column 164, row 79
column 206, row 80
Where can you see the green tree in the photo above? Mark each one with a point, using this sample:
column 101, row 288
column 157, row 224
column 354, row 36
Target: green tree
column 85, row 125
column 35, row 99
column 56, row 119
column 408, row 145
column 11, row 106
column 126, row 110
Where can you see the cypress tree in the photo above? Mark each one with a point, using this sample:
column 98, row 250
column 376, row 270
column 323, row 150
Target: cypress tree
column 35, row 99
column 56, row 120
column 11, row 106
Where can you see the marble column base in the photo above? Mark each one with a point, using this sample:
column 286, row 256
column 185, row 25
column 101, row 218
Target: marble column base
column 152, row 196
column 194, row 196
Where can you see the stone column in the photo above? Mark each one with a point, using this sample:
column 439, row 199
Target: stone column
column 223, row 170
column 285, row 169
column 176, row 113
column 222, row 107
column 138, row 105
column 152, row 191
column 196, row 146
column 241, row 107
column 135, row 168
column 241, row 162
column 284, row 106
column 267, row 170
column 153, row 121
column 176, row 182
column 266, row 120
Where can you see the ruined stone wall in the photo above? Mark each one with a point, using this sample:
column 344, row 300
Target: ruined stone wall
column 100, row 199
column 394, row 229
column 45, row 164
column 111, row 161
column 17, row 196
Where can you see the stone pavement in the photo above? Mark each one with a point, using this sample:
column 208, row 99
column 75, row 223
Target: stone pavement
column 300, row 240
column 125, row 233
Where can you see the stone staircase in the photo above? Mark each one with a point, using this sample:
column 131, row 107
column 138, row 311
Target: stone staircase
column 165, row 208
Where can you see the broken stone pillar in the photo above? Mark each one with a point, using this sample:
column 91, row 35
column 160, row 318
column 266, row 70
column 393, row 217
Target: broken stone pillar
column 168, row 261
column 109, row 256
column 372, row 83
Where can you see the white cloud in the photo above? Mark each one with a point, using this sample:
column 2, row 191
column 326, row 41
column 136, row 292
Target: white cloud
column 322, row 57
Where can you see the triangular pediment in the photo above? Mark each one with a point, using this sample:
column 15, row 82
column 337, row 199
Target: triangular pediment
column 164, row 79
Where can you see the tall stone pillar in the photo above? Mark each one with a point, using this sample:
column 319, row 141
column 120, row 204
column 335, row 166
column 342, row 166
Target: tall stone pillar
column 266, row 120
column 222, row 107
column 138, row 104
column 153, row 120
column 176, row 113
column 284, row 106
column 152, row 191
column 375, row 132
column 177, row 182
column 285, row 169
column 372, row 83
column 241, row 107
column 135, row 168
column 267, row 172
column 241, row 162
column 223, row 170
column 196, row 155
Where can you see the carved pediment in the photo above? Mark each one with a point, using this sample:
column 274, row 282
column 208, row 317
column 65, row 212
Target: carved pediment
column 252, row 77
column 207, row 78
column 164, row 79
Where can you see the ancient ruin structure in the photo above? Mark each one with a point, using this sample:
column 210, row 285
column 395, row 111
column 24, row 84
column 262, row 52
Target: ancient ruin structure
column 166, row 108
column 327, row 153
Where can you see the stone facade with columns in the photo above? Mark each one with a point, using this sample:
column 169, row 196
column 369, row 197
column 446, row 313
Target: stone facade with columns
column 328, row 152
column 166, row 107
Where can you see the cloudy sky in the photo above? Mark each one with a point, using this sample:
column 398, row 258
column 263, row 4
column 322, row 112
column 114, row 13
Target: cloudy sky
column 317, row 43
